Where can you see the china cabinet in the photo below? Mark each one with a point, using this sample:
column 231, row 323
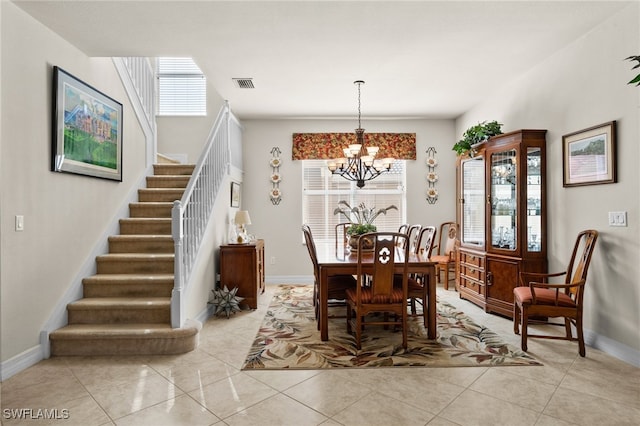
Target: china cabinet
column 502, row 216
column 242, row 266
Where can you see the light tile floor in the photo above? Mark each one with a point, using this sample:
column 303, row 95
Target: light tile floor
column 206, row 387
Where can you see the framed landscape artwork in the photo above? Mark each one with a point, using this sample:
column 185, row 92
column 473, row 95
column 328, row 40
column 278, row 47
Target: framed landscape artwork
column 589, row 156
column 87, row 129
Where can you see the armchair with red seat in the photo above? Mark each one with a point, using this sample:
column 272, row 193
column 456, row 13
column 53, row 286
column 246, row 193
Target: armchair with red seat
column 536, row 297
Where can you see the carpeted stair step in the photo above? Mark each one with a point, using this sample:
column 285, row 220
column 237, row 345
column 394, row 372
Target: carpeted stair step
column 160, row 194
column 173, row 169
column 126, row 305
column 123, row 339
column 135, row 263
column 145, row 226
column 168, row 181
column 153, row 210
column 141, row 244
column 120, row 310
column 128, row 285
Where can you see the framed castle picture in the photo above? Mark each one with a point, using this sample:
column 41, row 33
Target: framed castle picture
column 87, row 129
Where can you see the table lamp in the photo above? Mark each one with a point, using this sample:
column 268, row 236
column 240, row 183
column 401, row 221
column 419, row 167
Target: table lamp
column 242, row 218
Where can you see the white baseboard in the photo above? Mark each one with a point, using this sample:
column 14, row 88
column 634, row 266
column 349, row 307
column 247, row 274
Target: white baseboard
column 20, row 362
column 289, row 279
column 612, row 347
column 205, row 314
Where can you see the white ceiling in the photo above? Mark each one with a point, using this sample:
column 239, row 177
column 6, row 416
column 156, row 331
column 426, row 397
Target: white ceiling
column 433, row 59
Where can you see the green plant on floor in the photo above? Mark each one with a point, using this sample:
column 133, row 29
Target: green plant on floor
column 476, row 134
column 636, row 80
column 361, row 217
column 225, row 300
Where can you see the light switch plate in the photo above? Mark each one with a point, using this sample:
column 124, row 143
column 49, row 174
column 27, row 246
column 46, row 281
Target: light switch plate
column 19, row 222
column 617, row 218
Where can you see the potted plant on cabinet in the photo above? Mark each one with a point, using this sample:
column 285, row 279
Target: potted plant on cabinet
column 636, row 80
column 475, row 135
column 361, row 219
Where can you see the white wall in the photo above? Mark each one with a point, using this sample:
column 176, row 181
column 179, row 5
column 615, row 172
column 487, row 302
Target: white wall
column 64, row 214
column 188, row 135
column 581, row 86
column 280, row 225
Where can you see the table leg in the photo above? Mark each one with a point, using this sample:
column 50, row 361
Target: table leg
column 324, row 301
column 431, row 330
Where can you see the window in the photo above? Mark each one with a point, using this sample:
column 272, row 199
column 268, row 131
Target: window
column 182, row 87
column 321, row 192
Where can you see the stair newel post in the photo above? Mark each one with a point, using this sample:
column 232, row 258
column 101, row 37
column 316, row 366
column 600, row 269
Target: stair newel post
column 177, row 308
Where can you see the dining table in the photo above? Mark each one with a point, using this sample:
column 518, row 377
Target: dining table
column 339, row 259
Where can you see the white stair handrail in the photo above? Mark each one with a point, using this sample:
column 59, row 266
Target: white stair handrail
column 138, row 78
column 190, row 215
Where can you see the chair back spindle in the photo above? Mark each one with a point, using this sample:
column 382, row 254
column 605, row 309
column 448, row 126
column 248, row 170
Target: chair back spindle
column 426, row 240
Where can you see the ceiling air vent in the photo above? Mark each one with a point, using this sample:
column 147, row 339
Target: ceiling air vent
column 244, row 83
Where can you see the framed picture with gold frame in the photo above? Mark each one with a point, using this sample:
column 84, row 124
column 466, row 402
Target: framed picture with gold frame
column 589, row 156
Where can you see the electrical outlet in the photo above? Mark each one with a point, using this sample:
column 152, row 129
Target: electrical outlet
column 273, row 260
column 617, row 218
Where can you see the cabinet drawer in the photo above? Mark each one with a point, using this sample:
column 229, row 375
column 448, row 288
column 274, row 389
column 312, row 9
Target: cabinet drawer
column 472, row 285
column 472, row 259
column 472, row 272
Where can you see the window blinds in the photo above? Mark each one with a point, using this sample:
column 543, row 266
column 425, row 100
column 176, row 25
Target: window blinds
column 182, row 87
column 321, row 192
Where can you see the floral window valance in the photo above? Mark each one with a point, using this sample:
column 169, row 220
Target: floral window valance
column 324, row 146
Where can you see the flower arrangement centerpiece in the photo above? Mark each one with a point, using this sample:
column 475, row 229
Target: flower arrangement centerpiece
column 361, row 218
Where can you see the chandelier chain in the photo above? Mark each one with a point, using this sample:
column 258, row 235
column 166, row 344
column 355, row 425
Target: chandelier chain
column 359, row 83
column 359, row 163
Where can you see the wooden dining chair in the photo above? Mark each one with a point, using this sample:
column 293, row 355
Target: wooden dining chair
column 341, row 236
column 417, row 285
column 414, row 233
column 336, row 285
column 445, row 251
column 380, row 296
column 536, row 297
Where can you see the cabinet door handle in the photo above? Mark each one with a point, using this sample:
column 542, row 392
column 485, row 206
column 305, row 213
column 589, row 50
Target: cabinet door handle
column 489, row 278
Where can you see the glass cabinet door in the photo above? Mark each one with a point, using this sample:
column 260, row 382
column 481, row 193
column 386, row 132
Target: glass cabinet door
column 503, row 200
column 473, row 202
column 534, row 199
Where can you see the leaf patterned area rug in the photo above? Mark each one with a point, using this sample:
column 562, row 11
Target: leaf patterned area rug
column 289, row 339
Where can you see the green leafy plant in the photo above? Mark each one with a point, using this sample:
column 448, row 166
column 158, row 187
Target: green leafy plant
column 359, row 229
column 476, row 134
column 361, row 217
column 636, row 80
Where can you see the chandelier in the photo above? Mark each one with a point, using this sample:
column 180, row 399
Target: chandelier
column 359, row 163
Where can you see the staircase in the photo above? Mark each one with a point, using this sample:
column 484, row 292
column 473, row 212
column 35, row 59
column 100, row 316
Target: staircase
column 126, row 306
